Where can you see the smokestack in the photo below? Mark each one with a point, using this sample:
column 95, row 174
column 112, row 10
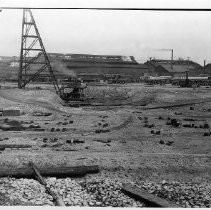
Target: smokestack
column 204, row 65
column 172, row 56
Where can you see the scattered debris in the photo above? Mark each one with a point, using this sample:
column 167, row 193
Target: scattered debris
column 149, row 199
column 77, row 141
column 206, row 126
column 189, row 119
column 161, row 142
column 157, row 132
column 169, row 143
column 103, row 140
column 42, row 114
column 178, row 113
column 56, row 197
column 187, row 125
column 17, row 146
column 11, row 112
column 107, row 192
column 74, row 141
column 151, row 126
column 101, row 131
column 53, row 139
column 105, row 125
column 175, row 123
column 182, row 194
column 207, row 134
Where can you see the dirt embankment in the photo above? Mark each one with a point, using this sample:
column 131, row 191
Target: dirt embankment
column 138, row 144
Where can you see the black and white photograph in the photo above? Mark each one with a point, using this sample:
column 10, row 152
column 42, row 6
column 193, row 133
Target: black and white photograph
column 105, row 103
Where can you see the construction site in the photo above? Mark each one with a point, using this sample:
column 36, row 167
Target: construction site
column 101, row 130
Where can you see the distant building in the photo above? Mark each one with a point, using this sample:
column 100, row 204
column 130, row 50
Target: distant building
column 175, row 68
column 207, row 69
column 7, row 58
column 14, row 64
column 90, row 77
column 94, row 65
column 55, row 55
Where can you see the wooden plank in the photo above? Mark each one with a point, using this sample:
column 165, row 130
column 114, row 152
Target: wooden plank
column 57, row 171
column 11, row 112
column 150, row 199
column 57, row 198
column 4, row 146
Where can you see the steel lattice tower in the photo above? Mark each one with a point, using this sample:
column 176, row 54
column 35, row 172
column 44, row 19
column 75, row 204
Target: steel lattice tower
column 33, row 54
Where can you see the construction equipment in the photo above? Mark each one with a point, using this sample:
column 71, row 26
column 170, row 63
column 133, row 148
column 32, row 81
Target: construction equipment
column 72, row 90
column 186, row 82
column 34, row 61
column 192, row 81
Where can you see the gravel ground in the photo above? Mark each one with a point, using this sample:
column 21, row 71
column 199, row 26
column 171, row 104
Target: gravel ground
column 99, row 192
column 126, row 155
column 74, row 193
column 23, row 192
column 183, row 194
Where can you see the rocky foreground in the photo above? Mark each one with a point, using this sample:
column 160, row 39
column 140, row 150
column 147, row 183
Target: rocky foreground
column 99, row 192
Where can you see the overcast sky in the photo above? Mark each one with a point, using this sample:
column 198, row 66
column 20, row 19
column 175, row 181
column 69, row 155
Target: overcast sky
column 137, row 33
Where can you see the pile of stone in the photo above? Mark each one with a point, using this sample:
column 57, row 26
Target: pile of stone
column 70, row 191
column 92, row 193
column 108, row 192
column 182, row 194
column 73, row 193
column 24, row 192
column 100, row 192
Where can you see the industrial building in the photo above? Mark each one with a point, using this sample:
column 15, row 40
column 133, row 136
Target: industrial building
column 174, row 68
column 95, row 67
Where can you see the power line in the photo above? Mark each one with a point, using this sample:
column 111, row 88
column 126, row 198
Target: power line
column 110, row 8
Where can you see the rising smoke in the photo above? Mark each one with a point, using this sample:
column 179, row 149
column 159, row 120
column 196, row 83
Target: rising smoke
column 61, row 67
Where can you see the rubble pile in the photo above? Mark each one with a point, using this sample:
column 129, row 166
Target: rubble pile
column 107, row 192
column 24, row 192
column 183, row 194
column 74, row 193
column 100, row 192
column 70, row 191
column 92, row 193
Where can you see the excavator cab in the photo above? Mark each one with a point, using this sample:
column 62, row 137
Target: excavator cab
column 73, row 90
